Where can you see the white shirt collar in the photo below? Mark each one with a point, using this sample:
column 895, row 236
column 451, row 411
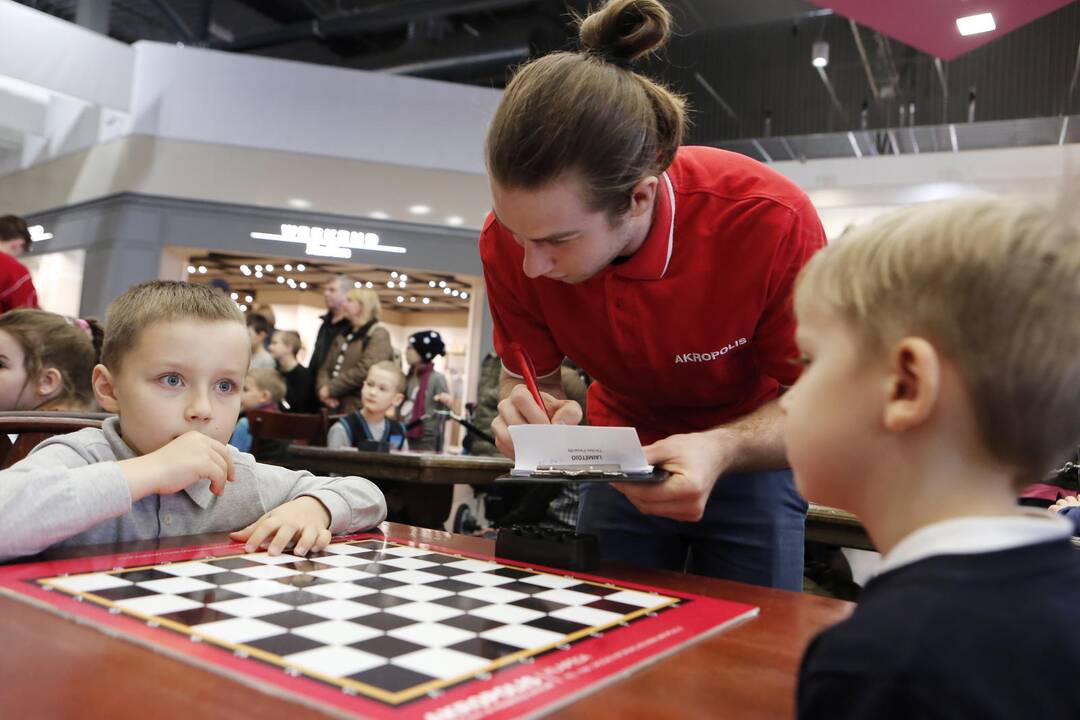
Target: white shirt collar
column 971, row 535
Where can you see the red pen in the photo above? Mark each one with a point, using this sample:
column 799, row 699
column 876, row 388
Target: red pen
column 528, row 372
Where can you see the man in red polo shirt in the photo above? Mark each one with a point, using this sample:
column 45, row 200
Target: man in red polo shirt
column 665, row 272
column 688, row 337
column 16, row 286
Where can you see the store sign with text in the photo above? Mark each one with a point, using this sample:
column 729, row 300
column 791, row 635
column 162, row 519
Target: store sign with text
column 328, row 242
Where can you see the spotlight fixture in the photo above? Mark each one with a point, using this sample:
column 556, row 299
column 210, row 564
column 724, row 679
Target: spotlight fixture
column 258, row 268
column 258, row 273
column 442, row 283
column 357, row 284
column 280, row 279
column 369, row 284
column 464, row 296
column 288, row 267
column 446, row 291
column 455, row 293
column 455, row 220
column 202, row 269
column 427, row 301
column 191, row 269
column 400, row 299
column 389, row 283
column 393, row 274
column 401, row 283
column 819, row 54
column 412, row 299
column 300, row 267
column 303, row 285
column 431, row 283
column 419, row 209
column 249, row 298
column 243, row 308
column 269, row 268
column 234, row 296
column 976, row 24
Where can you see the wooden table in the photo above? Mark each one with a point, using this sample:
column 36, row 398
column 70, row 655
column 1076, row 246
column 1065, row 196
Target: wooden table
column 52, row 667
column 823, row 524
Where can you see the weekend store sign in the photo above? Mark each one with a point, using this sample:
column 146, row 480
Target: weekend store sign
column 328, row 242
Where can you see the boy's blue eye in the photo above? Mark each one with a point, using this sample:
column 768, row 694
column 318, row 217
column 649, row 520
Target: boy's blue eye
column 226, row 386
column 172, row 380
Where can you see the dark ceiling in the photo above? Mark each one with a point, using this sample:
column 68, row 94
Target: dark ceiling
column 744, row 64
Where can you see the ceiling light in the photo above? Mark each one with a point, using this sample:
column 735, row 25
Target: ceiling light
column 292, row 283
column 288, row 267
column 403, row 276
column 431, row 283
column 243, row 307
column 258, row 273
column 356, row 284
column 401, row 283
column 975, row 24
column 446, row 291
column 202, row 269
column 455, row 293
column 369, row 285
column 234, row 296
column 191, row 269
column 303, row 285
column 427, row 301
column 464, row 296
column 300, row 267
column 819, row 54
column 419, row 209
column 412, row 299
column 442, row 283
column 298, row 203
column 393, row 274
column 244, row 269
column 400, row 299
column 280, row 279
column 378, row 215
column 258, row 268
column 389, row 283
column 455, row 220
column 249, row 298
column 269, row 268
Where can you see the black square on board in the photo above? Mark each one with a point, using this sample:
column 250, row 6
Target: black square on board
column 197, row 616
column 386, row 646
column 124, row 593
column 512, row 573
column 381, row 600
column 564, row 627
column 488, row 649
column 615, row 607
column 439, row 558
column 461, row 603
column 379, row 583
column 523, row 587
column 224, row 578
column 451, row 585
column 292, row 619
column 472, row 623
column 391, row 678
column 211, row 595
column 385, row 621
column 285, row 644
column 137, row 576
column 298, row 598
column 233, row 563
column 599, row 590
column 445, row 570
column 533, row 603
column 306, row 566
column 301, row 581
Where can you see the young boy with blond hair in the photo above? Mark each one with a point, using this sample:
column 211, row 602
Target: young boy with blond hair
column 383, row 389
column 263, row 391
column 173, row 364
column 942, row 354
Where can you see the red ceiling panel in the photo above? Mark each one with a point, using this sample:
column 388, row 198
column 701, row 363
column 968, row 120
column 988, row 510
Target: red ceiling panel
column 930, row 25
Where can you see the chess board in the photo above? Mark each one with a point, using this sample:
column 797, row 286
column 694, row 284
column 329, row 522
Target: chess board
column 378, row 628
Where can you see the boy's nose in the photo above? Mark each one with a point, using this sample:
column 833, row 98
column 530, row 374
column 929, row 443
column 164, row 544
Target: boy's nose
column 198, row 408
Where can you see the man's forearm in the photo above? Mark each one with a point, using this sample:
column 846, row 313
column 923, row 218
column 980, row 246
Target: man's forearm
column 550, row 384
column 753, row 442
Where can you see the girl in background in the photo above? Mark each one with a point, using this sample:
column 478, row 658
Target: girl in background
column 46, row 362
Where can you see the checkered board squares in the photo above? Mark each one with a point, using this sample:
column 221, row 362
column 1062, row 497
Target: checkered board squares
column 389, row 622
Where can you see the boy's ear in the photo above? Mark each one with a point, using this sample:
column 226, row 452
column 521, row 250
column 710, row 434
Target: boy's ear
column 398, row 399
column 265, row 396
column 104, row 390
column 913, row 384
column 49, row 383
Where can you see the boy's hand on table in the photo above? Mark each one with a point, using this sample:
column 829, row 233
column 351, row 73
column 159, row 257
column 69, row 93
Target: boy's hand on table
column 694, row 461
column 1070, row 501
column 520, row 408
column 304, row 519
column 190, row 458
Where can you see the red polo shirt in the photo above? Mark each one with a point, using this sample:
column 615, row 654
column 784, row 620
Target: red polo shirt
column 696, row 328
column 16, row 287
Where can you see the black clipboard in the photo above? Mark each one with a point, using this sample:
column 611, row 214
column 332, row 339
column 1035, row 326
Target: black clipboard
column 586, row 474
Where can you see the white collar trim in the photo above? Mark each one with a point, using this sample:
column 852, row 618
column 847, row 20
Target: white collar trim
column 972, row 535
column 671, row 231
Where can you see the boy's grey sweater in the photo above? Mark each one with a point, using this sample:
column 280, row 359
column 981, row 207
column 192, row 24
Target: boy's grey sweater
column 70, row 491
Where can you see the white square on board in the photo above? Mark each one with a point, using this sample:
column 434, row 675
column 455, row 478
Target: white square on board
column 587, row 616
column 249, row 606
column 340, row 591
column 158, row 604
column 431, row 634
column 523, row 636
column 423, row 611
column 239, row 630
column 266, row 572
column 441, row 662
column 335, row 660
column 176, row 585
column 509, row 614
column 339, row 609
column 90, row 582
column 259, row 588
column 337, row 632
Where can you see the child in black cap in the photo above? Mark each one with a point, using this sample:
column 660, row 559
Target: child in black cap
column 425, row 392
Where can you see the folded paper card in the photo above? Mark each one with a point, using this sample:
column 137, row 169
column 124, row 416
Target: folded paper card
column 570, row 448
